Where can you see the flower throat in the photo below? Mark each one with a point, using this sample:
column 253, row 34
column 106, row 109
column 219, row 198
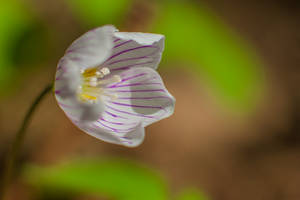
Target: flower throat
column 93, row 82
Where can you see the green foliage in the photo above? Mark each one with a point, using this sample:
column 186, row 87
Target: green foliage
column 194, row 34
column 95, row 12
column 191, row 194
column 13, row 20
column 111, row 178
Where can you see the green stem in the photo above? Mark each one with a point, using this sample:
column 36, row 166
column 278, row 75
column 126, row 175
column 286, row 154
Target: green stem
column 17, row 143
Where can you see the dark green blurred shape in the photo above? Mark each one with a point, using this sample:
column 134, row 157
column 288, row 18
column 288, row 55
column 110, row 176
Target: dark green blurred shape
column 118, row 179
column 13, row 20
column 22, row 44
column 194, row 35
column 30, row 47
column 99, row 12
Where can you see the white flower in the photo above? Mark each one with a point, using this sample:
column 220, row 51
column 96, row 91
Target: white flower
column 107, row 85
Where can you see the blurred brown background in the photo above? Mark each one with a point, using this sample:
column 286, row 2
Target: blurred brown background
column 229, row 155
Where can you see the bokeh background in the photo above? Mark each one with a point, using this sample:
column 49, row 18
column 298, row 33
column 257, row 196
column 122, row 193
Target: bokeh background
column 233, row 67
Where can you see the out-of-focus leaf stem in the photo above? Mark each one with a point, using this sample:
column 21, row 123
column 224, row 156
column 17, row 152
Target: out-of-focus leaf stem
column 17, row 143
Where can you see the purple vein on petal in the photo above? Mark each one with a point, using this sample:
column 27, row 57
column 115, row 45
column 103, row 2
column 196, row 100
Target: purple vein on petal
column 132, row 65
column 118, row 123
column 115, row 123
column 133, row 114
column 116, row 40
column 135, row 76
column 116, row 129
column 102, row 126
column 113, row 129
column 135, row 106
column 127, row 59
column 145, row 98
column 133, row 58
column 129, row 78
column 114, row 115
column 122, row 43
column 128, row 142
column 153, row 90
column 133, row 84
column 128, row 50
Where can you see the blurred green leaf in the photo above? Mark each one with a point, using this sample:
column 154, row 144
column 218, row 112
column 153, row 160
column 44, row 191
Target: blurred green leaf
column 191, row 194
column 111, row 178
column 96, row 12
column 194, row 34
column 29, row 47
column 14, row 19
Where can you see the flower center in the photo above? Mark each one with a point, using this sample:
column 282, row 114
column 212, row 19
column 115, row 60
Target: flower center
column 93, row 83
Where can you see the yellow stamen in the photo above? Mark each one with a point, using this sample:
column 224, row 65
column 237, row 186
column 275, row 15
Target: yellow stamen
column 89, row 72
column 92, row 79
column 85, row 97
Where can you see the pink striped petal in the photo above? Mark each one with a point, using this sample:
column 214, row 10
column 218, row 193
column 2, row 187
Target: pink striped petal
column 141, row 98
column 130, row 138
column 141, row 95
column 135, row 50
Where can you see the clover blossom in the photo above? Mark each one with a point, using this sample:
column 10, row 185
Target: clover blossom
column 107, row 85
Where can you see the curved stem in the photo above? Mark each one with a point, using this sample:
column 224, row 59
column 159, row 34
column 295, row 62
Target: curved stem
column 17, row 143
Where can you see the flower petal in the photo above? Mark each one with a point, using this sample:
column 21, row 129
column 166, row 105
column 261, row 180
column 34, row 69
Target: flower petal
column 135, row 49
column 66, row 85
column 78, row 111
column 130, row 139
column 141, row 95
column 67, row 79
column 92, row 48
column 141, row 98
